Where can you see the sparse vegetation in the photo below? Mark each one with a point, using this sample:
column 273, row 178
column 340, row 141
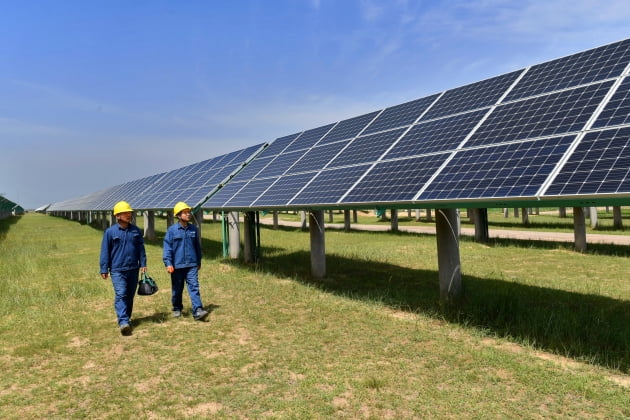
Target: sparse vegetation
column 544, row 332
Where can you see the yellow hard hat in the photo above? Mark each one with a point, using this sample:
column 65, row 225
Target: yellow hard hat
column 179, row 207
column 122, row 207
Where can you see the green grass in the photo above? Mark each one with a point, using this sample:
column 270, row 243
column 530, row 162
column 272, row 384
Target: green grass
column 542, row 332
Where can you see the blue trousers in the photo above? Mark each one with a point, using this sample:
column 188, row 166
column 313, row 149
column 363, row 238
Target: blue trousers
column 188, row 276
column 125, row 284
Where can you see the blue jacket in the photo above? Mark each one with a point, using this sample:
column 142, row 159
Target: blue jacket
column 122, row 249
column 181, row 246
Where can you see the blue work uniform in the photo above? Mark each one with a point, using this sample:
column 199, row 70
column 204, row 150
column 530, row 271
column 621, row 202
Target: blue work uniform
column 183, row 251
column 122, row 255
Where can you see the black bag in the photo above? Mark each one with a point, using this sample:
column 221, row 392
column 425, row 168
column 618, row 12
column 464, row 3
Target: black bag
column 146, row 286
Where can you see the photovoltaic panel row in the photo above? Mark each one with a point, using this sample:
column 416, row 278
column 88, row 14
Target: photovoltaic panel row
column 192, row 183
column 463, row 141
column 310, row 150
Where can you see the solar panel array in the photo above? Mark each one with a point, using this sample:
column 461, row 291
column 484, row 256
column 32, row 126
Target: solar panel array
column 192, row 184
column 8, row 207
column 556, row 130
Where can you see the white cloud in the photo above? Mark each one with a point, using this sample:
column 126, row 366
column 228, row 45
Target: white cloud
column 371, row 10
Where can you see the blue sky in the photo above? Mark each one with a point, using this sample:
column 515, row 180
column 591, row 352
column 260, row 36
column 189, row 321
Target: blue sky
column 97, row 93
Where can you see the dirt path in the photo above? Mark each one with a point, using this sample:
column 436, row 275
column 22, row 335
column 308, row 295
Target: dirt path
column 494, row 233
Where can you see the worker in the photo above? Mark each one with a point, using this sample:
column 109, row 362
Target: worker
column 122, row 257
column 182, row 258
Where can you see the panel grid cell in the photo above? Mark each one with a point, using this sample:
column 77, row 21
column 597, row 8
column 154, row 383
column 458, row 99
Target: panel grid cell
column 507, row 170
column 279, row 144
column 284, row 190
column 224, row 194
column 366, row 148
column 281, row 163
column 482, row 94
column 348, row 129
column 308, row 138
column 329, row 186
column 253, row 168
column 600, row 164
column 617, row 110
column 400, row 115
column 317, row 157
column 550, row 115
column 250, row 192
column 436, row 136
column 395, row 181
column 577, row 69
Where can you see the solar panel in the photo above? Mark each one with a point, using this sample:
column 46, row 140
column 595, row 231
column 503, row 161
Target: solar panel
column 400, row 115
column 436, row 136
column 329, row 186
column 553, row 114
column 558, row 129
column 474, row 96
column 193, row 183
column 348, row 129
column 283, row 190
column 395, row 181
column 318, row 157
column 250, row 192
column 308, row 138
column 498, row 171
column 278, row 145
column 224, row 194
column 281, row 163
column 589, row 66
column 617, row 111
column 367, row 148
column 599, row 165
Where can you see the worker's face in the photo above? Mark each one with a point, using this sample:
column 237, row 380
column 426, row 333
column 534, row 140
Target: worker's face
column 185, row 216
column 124, row 217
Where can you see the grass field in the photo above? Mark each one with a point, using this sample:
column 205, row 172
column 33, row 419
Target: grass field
column 543, row 332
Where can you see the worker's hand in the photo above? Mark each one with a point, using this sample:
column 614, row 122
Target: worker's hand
column 143, row 269
column 103, row 275
column 170, row 269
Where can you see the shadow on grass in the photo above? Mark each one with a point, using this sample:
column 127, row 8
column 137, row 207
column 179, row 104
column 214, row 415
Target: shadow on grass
column 589, row 328
column 592, row 248
column 161, row 317
column 5, row 225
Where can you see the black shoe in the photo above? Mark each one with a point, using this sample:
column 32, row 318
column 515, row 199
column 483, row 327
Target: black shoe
column 125, row 329
column 201, row 314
